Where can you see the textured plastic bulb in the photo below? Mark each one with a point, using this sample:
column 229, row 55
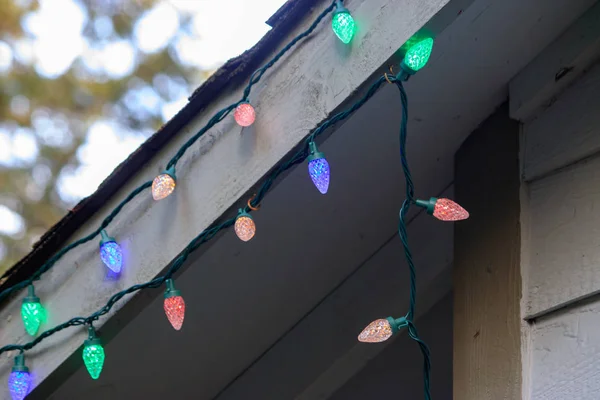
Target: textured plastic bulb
column 381, row 330
column 174, row 305
column 110, row 253
column 19, row 380
column 33, row 313
column 377, row 331
column 244, row 114
column 318, row 168
column 93, row 354
column 444, row 209
column 244, row 226
column 164, row 184
column 343, row 24
column 417, row 56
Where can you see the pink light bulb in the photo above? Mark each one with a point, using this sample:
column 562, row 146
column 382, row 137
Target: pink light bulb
column 244, row 114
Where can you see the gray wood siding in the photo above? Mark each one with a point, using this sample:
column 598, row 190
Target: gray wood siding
column 561, row 244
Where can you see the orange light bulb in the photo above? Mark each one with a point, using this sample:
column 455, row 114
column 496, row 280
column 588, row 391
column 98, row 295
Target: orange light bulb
column 377, row 331
column 244, row 226
column 164, row 184
column 382, row 329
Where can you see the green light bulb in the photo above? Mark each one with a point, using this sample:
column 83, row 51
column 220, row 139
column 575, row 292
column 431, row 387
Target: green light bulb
column 93, row 354
column 343, row 23
column 417, row 56
column 32, row 312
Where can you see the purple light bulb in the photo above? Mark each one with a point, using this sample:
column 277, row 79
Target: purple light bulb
column 318, row 168
column 110, row 253
column 19, row 381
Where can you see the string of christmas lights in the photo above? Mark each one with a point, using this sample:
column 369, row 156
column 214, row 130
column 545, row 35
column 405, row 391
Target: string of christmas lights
column 381, row 330
column 163, row 185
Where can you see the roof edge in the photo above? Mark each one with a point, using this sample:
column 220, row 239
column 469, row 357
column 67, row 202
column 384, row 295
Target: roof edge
column 233, row 72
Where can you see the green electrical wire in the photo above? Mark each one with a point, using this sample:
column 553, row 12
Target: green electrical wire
column 254, row 79
column 218, row 117
column 209, row 233
column 299, row 157
column 206, row 235
column 50, row 263
column 410, row 192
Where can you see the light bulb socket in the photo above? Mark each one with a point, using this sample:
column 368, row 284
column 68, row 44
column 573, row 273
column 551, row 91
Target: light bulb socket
column 242, row 213
column 31, row 297
column 428, row 205
column 105, row 238
column 92, row 339
column 171, row 172
column 171, row 291
column 20, row 364
column 407, row 71
column 339, row 8
column 397, row 323
column 314, row 153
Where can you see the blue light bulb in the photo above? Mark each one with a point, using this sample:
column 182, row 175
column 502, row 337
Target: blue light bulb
column 19, row 380
column 110, row 253
column 318, row 168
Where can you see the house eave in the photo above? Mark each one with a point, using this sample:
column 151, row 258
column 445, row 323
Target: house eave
column 234, row 72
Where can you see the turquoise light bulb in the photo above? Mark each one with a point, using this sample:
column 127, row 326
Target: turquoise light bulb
column 93, row 354
column 417, row 55
column 343, row 24
column 33, row 313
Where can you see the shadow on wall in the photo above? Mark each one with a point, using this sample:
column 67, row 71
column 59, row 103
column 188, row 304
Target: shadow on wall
column 398, row 369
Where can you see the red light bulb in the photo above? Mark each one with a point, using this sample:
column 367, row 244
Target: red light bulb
column 444, row 209
column 174, row 305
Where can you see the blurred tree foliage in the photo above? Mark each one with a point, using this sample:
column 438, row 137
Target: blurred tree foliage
column 71, row 103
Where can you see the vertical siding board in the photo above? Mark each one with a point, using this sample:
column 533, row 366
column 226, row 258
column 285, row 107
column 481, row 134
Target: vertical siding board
column 487, row 284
